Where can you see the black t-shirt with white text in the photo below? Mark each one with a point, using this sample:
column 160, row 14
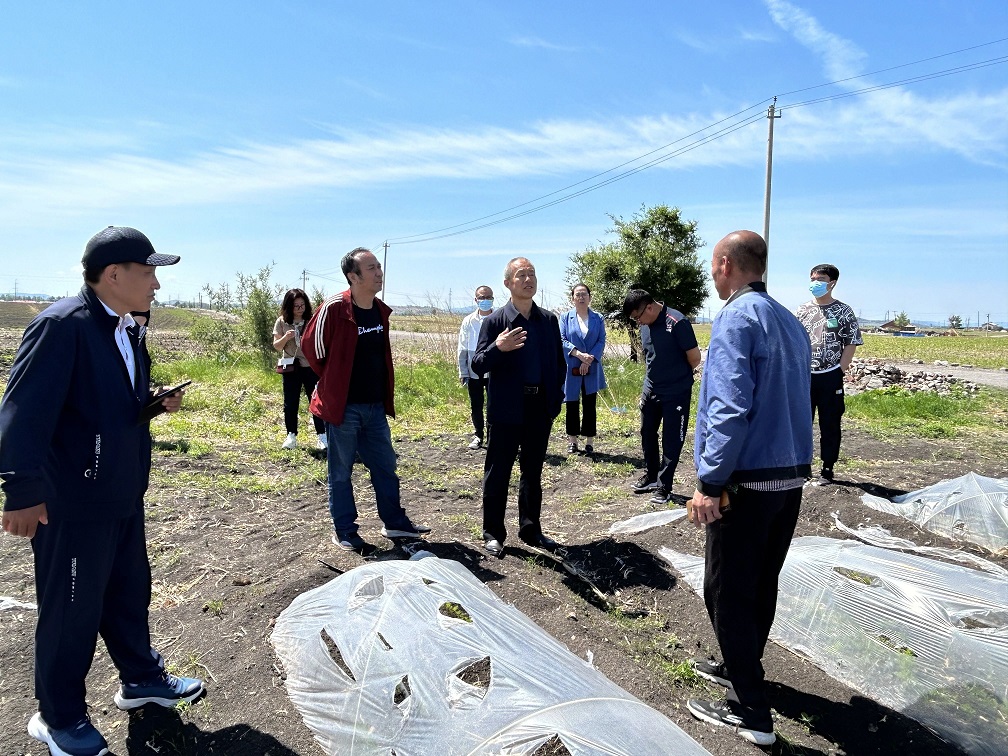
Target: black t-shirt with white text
column 368, row 377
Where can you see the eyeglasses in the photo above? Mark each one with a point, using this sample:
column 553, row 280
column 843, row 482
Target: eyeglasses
column 581, row 295
column 635, row 317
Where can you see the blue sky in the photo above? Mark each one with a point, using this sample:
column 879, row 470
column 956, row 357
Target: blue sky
column 240, row 134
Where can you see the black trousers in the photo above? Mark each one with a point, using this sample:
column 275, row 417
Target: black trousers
column 302, row 378
column 527, row 443
column 477, row 389
column 828, row 399
column 672, row 414
column 92, row 578
column 745, row 551
column 588, row 425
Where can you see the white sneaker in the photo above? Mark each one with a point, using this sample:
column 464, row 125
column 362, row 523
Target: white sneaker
column 323, row 442
column 291, row 441
column 476, row 443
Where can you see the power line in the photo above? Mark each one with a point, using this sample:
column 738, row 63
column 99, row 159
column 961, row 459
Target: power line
column 734, row 122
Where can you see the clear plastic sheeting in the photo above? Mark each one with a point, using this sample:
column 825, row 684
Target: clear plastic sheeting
column 879, row 536
column 640, row 523
column 926, row 638
column 418, row 657
column 971, row 508
column 6, row 602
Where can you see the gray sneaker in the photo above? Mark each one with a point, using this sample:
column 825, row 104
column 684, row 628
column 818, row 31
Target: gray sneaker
column 405, row 530
column 80, row 739
column 353, row 542
column 165, row 690
column 713, row 671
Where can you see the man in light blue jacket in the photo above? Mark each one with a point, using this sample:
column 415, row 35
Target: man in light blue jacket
column 753, row 452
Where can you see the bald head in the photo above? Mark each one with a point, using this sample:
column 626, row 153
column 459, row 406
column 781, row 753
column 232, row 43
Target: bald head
column 746, row 250
column 738, row 260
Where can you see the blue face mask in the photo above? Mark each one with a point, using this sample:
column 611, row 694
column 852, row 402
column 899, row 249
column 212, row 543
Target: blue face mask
column 818, row 288
column 484, row 304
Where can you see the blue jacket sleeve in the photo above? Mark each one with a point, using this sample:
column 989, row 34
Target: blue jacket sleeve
column 30, row 410
column 726, row 398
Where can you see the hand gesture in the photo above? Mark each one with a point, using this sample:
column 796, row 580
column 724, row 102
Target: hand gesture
column 511, row 339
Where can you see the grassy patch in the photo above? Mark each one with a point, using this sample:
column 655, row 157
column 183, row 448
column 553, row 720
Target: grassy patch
column 893, row 412
column 988, row 351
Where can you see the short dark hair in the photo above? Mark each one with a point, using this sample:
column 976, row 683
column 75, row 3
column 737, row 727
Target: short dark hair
column 580, row 283
column 831, row 271
column 93, row 274
column 287, row 307
column 350, row 263
column 635, row 299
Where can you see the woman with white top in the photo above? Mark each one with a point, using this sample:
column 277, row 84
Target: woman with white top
column 295, row 311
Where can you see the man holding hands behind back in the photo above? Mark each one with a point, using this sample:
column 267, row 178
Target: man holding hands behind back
column 753, row 441
column 519, row 346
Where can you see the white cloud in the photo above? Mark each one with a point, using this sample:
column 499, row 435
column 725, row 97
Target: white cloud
column 841, row 58
column 542, row 44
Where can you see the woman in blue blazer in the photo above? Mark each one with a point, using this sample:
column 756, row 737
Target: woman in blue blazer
column 583, row 334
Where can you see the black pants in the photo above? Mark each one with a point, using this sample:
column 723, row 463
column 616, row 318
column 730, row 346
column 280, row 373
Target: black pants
column 828, row 398
column 92, row 578
column 302, row 378
column 744, row 555
column 672, row 413
column 477, row 389
column 506, row 441
column 582, row 427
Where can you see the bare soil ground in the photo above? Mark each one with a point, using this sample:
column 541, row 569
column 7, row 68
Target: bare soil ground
column 225, row 566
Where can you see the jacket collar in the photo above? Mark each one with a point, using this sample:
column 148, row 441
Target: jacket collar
column 511, row 312
column 97, row 309
column 758, row 286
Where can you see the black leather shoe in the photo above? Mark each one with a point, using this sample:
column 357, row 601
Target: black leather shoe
column 494, row 547
column 543, row 542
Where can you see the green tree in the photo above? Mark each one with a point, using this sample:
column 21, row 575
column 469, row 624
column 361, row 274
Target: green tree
column 902, row 320
column 955, row 321
column 256, row 302
column 656, row 250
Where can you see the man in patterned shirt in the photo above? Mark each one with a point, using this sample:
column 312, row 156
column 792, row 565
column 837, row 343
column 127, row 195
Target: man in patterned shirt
column 834, row 333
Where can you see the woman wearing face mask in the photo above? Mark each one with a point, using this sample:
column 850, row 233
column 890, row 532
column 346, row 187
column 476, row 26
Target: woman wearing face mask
column 583, row 333
column 295, row 311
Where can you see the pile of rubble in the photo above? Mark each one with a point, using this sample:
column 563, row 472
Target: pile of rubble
column 872, row 374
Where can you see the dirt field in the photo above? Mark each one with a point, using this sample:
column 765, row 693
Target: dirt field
column 224, row 568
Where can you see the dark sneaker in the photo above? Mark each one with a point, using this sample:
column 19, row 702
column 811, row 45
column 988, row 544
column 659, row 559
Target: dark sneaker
column 353, row 542
column 81, row 739
column 645, row 484
column 165, row 690
column 589, row 449
column 722, row 713
column 661, row 496
column 405, row 530
column 713, row 671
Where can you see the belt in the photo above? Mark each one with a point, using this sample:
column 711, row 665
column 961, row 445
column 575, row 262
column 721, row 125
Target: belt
column 530, row 390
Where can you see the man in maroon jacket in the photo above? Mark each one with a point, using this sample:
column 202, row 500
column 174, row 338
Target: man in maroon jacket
column 346, row 342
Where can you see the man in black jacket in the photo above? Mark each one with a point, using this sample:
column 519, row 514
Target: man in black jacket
column 519, row 346
column 75, row 460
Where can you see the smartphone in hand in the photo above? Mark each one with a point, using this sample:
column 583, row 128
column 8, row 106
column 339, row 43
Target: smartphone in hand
column 154, row 407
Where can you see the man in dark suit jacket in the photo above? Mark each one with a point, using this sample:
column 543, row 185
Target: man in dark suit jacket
column 520, row 347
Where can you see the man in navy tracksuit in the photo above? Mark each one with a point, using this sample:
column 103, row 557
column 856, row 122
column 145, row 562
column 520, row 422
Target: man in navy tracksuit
column 75, row 461
column 753, row 443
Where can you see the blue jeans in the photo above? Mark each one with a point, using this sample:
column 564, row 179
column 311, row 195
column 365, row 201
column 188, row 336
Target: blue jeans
column 365, row 431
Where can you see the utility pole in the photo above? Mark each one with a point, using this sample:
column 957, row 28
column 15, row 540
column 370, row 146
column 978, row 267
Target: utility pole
column 384, row 267
column 769, row 173
column 304, row 279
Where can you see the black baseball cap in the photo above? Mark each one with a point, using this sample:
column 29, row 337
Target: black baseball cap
column 120, row 244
